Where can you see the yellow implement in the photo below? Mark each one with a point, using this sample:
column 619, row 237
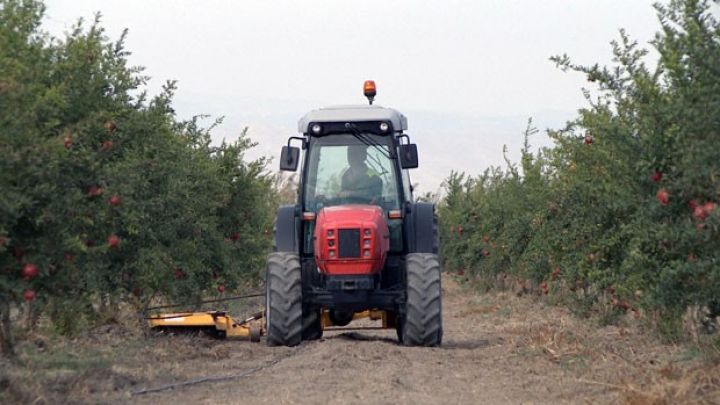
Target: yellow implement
column 388, row 320
column 222, row 325
column 217, row 323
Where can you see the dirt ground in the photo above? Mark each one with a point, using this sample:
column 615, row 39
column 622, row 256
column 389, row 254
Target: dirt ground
column 498, row 348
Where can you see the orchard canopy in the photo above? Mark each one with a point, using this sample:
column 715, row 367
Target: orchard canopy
column 106, row 196
column 622, row 211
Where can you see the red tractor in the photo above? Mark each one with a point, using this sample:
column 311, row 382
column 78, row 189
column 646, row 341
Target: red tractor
column 355, row 244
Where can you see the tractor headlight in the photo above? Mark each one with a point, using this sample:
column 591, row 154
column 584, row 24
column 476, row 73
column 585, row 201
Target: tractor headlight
column 384, row 126
column 367, row 232
column 316, row 129
column 330, row 233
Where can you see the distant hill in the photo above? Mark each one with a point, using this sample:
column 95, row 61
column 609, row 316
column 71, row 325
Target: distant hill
column 446, row 141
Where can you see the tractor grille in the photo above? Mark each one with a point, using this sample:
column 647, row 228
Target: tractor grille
column 349, row 241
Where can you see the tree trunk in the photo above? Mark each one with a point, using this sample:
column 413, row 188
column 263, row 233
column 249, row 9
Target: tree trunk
column 6, row 343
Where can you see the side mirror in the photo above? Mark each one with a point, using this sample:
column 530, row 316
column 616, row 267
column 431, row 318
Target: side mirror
column 289, row 158
column 408, row 156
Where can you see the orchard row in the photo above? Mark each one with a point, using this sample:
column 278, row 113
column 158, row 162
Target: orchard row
column 622, row 211
column 86, row 156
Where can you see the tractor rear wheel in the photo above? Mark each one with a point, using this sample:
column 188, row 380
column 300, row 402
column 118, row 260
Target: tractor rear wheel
column 312, row 327
column 283, row 297
column 421, row 323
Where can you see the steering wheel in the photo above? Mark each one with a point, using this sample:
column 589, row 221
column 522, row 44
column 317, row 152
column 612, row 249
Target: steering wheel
column 350, row 199
column 356, row 199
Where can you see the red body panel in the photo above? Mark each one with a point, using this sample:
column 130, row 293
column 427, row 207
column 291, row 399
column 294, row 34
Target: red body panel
column 374, row 239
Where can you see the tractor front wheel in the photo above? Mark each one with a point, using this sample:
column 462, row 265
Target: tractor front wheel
column 283, row 297
column 421, row 324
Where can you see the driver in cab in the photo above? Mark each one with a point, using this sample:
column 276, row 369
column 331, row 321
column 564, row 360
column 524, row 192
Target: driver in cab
column 359, row 182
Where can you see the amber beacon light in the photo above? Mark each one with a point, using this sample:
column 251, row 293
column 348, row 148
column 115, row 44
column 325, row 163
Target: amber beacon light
column 369, row 90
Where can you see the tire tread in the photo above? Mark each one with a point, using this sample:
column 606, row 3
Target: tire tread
column 422, row 322
column 284, row 299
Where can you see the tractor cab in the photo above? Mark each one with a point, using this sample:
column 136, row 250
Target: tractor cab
column 354, row 229
column 347, row 144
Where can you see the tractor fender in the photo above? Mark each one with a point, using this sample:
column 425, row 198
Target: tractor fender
column 285, row 238
column 421, row 228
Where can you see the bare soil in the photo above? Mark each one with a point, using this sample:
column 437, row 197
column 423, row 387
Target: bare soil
column 498, row 348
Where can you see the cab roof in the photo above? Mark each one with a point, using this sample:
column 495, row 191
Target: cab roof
column 353, row 113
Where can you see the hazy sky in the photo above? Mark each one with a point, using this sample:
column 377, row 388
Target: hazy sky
column 467, row 74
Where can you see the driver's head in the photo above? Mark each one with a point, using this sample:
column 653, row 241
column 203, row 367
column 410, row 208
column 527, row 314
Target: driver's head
column 356, row 155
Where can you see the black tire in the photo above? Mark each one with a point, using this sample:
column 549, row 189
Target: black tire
column 255, row 334
column 312, row 327
column 283, row 289
column 421, row 323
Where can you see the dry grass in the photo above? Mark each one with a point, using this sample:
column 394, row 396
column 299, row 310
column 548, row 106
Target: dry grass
column 107, row 366
column 106, row 363
column 522, row 336
column 626, row 358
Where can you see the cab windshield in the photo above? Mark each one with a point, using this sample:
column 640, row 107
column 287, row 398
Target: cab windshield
column 341, row 169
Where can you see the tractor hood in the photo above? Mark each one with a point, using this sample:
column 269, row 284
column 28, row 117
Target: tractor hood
column 351, row 240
